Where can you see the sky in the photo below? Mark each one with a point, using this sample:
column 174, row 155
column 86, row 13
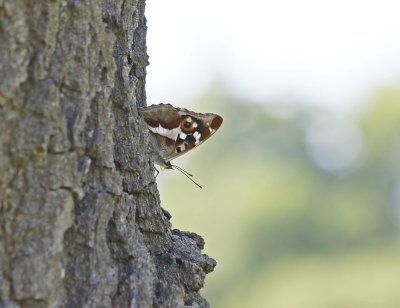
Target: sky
column 329, row 53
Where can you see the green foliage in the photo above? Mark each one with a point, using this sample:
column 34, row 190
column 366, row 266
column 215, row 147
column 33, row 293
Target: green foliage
column 286, row 229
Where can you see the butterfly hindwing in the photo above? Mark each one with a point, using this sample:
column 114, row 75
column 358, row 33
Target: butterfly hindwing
column 176, row 130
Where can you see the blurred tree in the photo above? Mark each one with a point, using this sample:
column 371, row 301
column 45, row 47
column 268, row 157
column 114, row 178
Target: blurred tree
column 280, row 208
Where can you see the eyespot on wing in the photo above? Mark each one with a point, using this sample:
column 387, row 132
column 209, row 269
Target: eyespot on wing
column 188, row 125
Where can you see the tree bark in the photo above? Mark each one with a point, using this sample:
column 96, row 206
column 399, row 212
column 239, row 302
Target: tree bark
column 80, row 217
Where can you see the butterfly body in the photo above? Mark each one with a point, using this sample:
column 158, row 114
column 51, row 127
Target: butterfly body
column 175, row 131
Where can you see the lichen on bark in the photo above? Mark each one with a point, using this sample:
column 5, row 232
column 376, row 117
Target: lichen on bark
column 80, row 217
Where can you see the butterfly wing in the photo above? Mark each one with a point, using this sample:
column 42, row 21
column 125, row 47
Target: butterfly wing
column 176, row 131
column 195, row 128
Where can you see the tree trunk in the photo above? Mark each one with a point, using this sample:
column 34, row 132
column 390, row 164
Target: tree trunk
column 80, row 217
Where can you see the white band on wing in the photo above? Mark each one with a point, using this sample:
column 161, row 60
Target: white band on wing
column 165, row 132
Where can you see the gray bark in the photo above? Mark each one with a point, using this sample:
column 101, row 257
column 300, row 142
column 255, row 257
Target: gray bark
column 80, row 217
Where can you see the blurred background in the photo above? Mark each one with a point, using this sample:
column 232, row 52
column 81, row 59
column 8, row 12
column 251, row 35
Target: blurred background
column 301, row 198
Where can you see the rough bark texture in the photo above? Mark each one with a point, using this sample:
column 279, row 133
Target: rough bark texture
column 80, row 217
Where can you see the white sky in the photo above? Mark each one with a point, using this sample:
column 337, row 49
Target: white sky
column 324, row 52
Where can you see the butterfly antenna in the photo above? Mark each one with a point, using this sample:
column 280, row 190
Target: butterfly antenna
column 182, row 170
column 187, row 174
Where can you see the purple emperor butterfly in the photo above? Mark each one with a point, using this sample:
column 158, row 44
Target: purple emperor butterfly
column 175, row 131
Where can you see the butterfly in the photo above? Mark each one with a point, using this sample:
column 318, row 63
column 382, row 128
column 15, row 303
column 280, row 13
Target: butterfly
column 176, row 131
